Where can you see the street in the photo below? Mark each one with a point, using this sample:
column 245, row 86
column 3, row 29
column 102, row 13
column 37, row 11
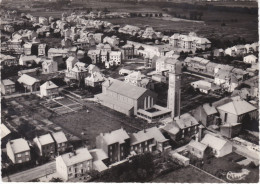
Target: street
column 32, row 174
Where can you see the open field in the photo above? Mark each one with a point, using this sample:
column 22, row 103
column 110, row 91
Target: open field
column 186, row 175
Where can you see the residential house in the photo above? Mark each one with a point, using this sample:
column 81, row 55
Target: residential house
column 197, row 64
column 42, row 49
column 45, row 145
column 150, row 62
column 191, row 41
column 74, row 164
column 129, row 29
column 98, row 37
column 227, row 80
column 220, row 147
column 197, row 149
column 202, row 85
column 30, row 84
column 115, row 144
column 142, row 142
column 250, row 59
column 162, row 144
column 112, row 41
column 49, row 89
column 78, row 72
column 61, row 142
column 93, row 69
column 206, row 114
column 18, row 151
column 165, row 64
column 7, row 87
column 95, row 79
column 235, row 111
column 184, row 126
column 104, row 56
column 127, row 51
column 54, row 52
column 70, row 62
column 27, row 60
column 7, row 60
column 49, row 66
column 124, row 97
column 95, row 56
column 225, row 68
column 159, row 78
column 115, row 58
column 210, row 68
column 27, row 48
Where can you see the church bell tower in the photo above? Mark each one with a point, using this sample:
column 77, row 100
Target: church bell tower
column 174, row 90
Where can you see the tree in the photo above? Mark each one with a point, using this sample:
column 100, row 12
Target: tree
column 56, row 180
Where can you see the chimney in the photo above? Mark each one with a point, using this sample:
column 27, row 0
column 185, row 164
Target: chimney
column 210, row 104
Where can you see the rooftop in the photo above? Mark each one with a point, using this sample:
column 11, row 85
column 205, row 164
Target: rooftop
column 237, row 107
column 19, row 145
column 59, row 137
column 213, row 142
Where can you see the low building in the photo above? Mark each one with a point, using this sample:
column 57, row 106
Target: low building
column 197, row 149
column 202, row 85
column 29, row 83
column 45, row 145
column 220, row 147
column 95, row 56
column 61, row 142
column 7, row 87
column 74, row 164
column 179, row 159
column 49, row 89
column 18, row 151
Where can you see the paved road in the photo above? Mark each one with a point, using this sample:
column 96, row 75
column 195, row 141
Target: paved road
column 33, row 173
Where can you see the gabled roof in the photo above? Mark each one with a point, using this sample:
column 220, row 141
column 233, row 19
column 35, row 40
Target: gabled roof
column 237, row 107
column 7, row 82
column 156, row 134
column 4, row 131
column 140, row 137
column 125, row 89
column 115, row 136
column 209, row 109
column 19, row 145
column 59, row 137
column 186, row 120
column 198, row 145
column 213, row 142
column 79, row 156
column 45, row 139
column 28, row 80
column 98, row 154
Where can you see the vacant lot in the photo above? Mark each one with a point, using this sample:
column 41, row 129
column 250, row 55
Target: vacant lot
column 186, row 175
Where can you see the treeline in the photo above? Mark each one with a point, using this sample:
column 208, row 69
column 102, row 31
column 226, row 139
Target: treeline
column 207, row 7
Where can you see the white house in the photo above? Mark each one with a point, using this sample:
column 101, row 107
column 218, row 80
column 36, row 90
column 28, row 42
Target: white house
column 49, row 66
column 219, row 146
column 27, row 60
column 70, row 62
column 250, row 59
column 74, row 164
column 18, row 151
column 49, row 89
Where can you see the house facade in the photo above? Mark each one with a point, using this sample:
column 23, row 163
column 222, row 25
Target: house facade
column 7, row 87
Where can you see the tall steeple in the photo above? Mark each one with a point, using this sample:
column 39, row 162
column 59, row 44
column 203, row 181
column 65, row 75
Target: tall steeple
column 174, row 90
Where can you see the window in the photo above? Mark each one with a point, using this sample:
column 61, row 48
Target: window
column 19, row 155
column 26, row 153
column 69, row 168
column 19, row 161
column 27, row 159
column 225, row 118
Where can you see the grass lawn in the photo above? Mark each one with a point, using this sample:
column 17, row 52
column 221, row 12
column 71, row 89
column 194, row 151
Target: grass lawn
column 228, row 163
column 186, row 175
